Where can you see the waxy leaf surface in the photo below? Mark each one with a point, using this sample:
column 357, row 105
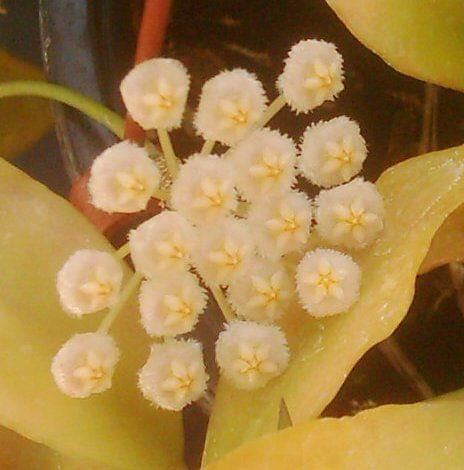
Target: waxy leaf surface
column 425, row 435
column 39, row 231
column 19, row 453
column 420, row 38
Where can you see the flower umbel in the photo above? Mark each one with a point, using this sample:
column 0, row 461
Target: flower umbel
column 174, row 374
column 235, row 223
column 85, row 364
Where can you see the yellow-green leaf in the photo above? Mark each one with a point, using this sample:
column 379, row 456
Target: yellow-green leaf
column 425, row 435
column 419, row 194
column 421, row 38
column 39, row 230
column 19, row 453
column 447, row 244
column 22, row 120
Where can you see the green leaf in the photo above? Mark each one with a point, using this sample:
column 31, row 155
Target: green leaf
column 420, row 38
column 39, row 230
column 425, row 435
column 419, row 194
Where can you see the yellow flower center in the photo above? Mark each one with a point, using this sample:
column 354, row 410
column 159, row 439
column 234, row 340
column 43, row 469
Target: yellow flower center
column 131, row 182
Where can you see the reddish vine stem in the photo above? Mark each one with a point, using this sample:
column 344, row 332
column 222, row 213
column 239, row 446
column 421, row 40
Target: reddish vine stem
column 150, row 40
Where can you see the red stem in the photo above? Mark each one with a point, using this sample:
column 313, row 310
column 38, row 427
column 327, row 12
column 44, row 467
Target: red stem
column 150, row 40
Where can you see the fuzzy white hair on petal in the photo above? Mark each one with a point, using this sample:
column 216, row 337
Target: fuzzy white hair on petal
column 85, row 364
column 250, row 354
column 350, row 215
column 123, row 178
column 174, row 374
column 204, row 190
column 89, row 281
column 230, row 104
column 162, row 244
column 332, row 152
column 224, row 251
column 155, row 93
column 264, row 163
column 264, row 294
column 171, row 305
column 313, row 73
column 327, row 282
column 282, row 224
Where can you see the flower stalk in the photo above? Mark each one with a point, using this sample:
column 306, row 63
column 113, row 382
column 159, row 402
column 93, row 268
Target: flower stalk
column 128, row 291
column 223, row 304
column 172, row 161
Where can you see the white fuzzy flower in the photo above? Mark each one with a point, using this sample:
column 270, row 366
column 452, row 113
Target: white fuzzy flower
column 89, row 281
column 162, row 244
column 224, row 251
column 170, row 306
column 313, row 73
column 249, row 354
column 155, row 92
column 332, row 152
column 230, row 103
column 123, row 178
column 264, row 294
column 85, row 364
column 174, row 374
column 264, row 163
column 281, row 224
column 350, row 215
column 203, row 191
column 327, row 282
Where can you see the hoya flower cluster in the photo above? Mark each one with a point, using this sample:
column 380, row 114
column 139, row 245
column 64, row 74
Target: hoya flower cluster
column 235, row 224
